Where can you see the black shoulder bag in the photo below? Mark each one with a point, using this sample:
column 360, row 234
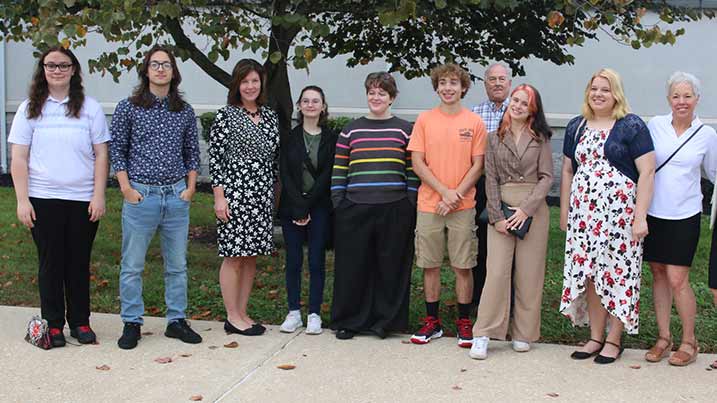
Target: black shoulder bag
column 678, row 149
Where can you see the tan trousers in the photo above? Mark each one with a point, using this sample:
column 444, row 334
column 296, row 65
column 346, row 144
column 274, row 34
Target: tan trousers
column 530, row 253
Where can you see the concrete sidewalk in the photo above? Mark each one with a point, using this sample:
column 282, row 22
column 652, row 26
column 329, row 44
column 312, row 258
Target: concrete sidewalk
column 365, row 369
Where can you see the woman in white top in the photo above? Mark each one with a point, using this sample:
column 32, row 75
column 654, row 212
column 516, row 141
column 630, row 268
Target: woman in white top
column 59, row 170
column 674, row 215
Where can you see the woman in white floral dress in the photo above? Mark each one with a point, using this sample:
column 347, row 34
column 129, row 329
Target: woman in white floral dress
column 607, row 180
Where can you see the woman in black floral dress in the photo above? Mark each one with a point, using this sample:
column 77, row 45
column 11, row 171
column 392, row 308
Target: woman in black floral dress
column 243, row 154
column 607, row 181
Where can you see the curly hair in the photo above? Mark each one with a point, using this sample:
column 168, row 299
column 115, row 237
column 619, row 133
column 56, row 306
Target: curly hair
column 39, row 90
column 451, row 70
column 141, row 96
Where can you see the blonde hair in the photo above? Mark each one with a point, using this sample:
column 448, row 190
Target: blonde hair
column 621, row 107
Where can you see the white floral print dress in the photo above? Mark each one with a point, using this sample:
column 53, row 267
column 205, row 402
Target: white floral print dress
column 598, row 243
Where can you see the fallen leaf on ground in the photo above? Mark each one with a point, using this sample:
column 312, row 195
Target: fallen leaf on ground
column 8, row 284
column 405, row 342
column 103, row 367
column 201, row 315
column 552, row 394
column 456, row 387
column 213, row 347
column 325, row 308
column 635, row 366
column 207, row 329
column 147, row 333
column 450, row 302
column 103, row 283
column 286, row 367
column 463, row 370
column 153, row 310
column 233, row 344
column 163, row 360
column 196, row 398
column 185, row 355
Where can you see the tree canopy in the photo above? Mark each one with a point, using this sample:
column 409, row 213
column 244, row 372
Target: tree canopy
column 410, row 35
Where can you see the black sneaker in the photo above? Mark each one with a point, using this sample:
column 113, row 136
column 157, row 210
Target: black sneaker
column 180, row 330
column 83, row 334
column 130, row 335
column 57, row 338
column 345, row 334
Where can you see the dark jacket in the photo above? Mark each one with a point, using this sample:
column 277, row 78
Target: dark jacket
column 291, row 165
column 628, row 140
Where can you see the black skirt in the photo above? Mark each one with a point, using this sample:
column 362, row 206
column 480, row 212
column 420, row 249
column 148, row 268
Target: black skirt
column 672, row 242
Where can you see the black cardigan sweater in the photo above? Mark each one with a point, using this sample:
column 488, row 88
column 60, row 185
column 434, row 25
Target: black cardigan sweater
column 291, row 166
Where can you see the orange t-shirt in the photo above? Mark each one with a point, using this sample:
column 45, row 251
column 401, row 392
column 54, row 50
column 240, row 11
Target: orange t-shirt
column 449, row 143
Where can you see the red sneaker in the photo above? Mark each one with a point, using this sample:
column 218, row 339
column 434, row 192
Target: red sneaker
column 431, row 330
column 464, row 331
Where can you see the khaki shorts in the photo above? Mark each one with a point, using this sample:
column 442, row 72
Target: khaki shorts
column 431, row 239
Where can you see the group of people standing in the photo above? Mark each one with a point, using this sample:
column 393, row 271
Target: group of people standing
column 383, row 190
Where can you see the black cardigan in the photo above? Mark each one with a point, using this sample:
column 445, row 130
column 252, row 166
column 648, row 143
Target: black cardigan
column 291, row 166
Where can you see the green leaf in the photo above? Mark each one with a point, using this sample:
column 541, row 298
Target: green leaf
column 441, row 4
column 275, row 57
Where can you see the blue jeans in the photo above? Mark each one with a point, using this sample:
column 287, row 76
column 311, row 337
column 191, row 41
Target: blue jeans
column 317, row 232
column 160, row 208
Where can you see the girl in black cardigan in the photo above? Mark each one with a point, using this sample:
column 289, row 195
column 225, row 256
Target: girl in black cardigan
column 307, row 158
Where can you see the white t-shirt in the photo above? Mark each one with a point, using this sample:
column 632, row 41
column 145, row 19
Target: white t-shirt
column 678, row 193
column 61, row 161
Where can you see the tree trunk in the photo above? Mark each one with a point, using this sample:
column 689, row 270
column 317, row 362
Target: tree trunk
column 278, row 87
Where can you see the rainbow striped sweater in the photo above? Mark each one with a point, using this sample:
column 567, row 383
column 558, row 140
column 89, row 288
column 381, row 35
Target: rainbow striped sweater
column 372, row 165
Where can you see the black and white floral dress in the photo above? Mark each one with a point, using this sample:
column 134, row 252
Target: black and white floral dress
column 243, row 159
column 598, row 244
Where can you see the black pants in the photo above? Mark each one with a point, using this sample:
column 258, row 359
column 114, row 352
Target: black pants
column 63, row 235
column 479, row 272
column 712, row 282
column 373, row 259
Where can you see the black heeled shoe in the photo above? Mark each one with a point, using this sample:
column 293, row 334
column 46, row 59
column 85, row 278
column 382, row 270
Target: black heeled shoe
column 601, row 359
column 254, row 330
column 345, row 334
column 583, row 355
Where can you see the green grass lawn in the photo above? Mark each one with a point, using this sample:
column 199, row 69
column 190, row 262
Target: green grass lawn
column 18, row 278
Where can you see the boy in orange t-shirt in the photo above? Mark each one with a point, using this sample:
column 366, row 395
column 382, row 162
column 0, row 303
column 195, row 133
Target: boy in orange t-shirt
column 447, row 145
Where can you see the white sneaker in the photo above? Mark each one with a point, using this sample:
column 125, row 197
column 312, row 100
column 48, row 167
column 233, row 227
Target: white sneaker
column 313, row 324
column 479, row 350
column 521, row 346
column 292, row 322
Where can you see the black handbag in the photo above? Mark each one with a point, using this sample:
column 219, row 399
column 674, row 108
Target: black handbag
column 507, row 212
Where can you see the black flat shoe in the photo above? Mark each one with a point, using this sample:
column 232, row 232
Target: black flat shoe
column 601, row 359
column 252, row 331
column 258, row 328
column 582, row 355
column 345, row 334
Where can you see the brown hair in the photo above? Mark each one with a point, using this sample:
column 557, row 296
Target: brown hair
column 141, row 96
column 324, row 116
column 451, row 70
column 537, row 124
column 382, row 80
column 241, row 70
column 39, row 91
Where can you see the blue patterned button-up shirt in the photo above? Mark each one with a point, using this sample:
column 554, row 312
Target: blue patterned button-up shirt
column 155, row 146
column 490, row 114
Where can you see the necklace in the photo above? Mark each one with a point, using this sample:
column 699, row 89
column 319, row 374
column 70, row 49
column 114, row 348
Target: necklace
column 252, row 114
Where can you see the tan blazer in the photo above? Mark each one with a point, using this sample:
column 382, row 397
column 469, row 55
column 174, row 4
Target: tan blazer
column 530, row 161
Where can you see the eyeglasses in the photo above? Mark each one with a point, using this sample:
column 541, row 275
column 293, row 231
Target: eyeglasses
column 156, row 65
column 52, row 67
column 500, row 79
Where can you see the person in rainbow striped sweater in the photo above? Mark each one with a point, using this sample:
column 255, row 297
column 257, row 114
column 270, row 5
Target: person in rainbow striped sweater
column 373, row 190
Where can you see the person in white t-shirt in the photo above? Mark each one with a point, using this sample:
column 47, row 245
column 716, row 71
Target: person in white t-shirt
column 59, row 169
column 683, row 148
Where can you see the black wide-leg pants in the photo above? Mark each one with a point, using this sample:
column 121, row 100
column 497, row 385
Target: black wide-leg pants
column 63, row 234
column 373, row 258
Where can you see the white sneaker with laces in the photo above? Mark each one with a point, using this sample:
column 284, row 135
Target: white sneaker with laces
column 313, row 324
column 292, row 322
column 479, row 350
column 521, row 346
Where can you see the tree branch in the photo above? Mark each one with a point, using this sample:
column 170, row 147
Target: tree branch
column 174, row 29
